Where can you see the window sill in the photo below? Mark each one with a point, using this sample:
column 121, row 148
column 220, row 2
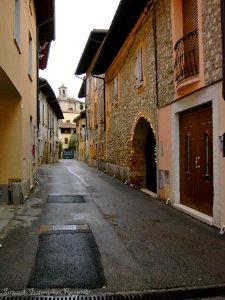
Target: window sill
column 139, row 86
column 17, row 45
column 30, row 77
column 186, row 83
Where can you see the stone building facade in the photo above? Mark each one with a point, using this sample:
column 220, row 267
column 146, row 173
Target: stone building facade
column 163, row 122
column 93, row 89
column 132, row 113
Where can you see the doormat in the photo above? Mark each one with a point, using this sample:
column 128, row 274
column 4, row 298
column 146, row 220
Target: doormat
column 66, row 199
column 67, row 259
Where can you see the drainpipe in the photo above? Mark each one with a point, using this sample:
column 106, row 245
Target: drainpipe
column 223, row 41
column 154, row 26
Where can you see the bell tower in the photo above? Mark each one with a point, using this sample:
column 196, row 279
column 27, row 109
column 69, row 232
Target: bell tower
column 63, row 92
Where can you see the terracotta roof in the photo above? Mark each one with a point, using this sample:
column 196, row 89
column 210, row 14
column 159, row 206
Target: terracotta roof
column 82, row 115
column 124, row 20
column 66, row 125
column 45, row 11
column 45, row 87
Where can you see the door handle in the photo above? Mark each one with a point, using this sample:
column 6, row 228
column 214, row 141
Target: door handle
column 197, row 166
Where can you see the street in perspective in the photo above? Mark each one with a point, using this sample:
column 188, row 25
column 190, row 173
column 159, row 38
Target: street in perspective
column 82, row 229
column 112, row 155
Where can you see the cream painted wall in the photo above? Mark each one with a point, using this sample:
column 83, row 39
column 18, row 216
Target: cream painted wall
column 70, row 116
column 165, row 148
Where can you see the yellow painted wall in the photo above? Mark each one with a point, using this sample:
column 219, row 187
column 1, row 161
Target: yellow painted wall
column 10, row 137
column 14, row 63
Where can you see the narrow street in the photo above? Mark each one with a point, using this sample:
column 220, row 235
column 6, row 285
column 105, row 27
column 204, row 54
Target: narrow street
column 116, row 238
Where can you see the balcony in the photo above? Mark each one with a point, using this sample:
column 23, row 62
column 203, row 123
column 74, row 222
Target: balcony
column 187, row 57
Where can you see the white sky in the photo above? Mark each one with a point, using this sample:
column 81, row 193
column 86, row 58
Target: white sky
column 74, row 21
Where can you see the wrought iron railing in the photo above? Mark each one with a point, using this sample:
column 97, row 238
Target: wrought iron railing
column 187, row 57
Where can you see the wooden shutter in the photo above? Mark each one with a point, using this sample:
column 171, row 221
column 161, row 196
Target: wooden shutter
column 139, row 66
column 190, row 15
column 115, row 88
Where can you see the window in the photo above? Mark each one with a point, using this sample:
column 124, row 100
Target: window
column 43, row 114
column 87, row 85
column 66, row 141
column 65, row 130
column 115, row 88
column 30, row 56
column 187, row 47
column 139, row 67
column 102, row 151
column 30, row 7
column 17, row 23
column 95, row 83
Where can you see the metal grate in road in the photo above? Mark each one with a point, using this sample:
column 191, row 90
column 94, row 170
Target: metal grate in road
column 66, row 199
column 179, row 294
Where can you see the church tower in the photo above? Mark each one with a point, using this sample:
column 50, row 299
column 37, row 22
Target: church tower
column 63, row 92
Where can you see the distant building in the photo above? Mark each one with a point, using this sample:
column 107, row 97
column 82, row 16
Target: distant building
column 81, row 135
column 49, row 114
column 71, row 109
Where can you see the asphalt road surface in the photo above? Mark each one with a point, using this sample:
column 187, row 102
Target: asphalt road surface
column 138, row 243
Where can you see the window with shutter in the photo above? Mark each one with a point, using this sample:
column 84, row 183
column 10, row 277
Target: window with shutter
column 115, row 88
column 187, row 47
column 17, row 5
column 190, row 16
column 139, row 67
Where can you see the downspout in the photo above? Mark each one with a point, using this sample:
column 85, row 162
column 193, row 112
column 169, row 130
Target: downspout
column 223, row 42
column 154, row 26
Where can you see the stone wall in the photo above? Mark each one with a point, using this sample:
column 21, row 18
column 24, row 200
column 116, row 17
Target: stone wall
column 165, row 53
column 136, row 103
column 212, row 40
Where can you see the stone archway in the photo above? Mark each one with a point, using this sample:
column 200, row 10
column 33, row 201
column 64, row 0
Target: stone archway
column 143, row 166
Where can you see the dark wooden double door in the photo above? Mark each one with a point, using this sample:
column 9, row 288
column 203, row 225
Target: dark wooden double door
column 196, row 159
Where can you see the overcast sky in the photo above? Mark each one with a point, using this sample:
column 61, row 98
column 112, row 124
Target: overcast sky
column 74, row 21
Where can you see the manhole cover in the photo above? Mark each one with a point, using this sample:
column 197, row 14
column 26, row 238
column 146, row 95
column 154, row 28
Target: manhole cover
column 66, row 199
column 50, row 227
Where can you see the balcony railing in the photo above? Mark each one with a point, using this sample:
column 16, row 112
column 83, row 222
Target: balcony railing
column 187, row 57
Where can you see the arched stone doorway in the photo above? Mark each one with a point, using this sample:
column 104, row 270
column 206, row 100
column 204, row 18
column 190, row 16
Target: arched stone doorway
column 143, row 165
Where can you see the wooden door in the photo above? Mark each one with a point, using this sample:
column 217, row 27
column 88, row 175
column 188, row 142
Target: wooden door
column 196, row 159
